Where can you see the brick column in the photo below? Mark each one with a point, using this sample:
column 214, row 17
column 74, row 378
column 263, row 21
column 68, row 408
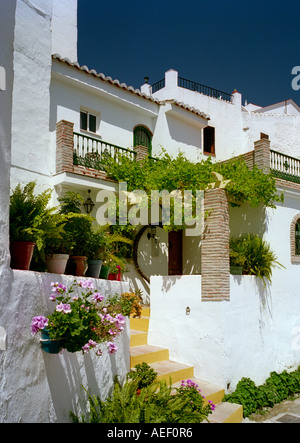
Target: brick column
column 262, row 155
column 64, row 146
column 141, row 152
column 215, row 269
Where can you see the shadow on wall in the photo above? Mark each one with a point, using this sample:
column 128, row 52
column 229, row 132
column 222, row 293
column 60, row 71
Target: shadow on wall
column 69, row 375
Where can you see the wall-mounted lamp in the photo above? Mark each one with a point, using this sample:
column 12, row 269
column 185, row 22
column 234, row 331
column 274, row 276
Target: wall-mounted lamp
column 88, row 204
column 188, row 310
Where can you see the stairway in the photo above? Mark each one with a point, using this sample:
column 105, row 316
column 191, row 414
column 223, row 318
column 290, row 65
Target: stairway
column 158, row 359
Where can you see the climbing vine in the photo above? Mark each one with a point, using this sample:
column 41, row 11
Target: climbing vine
column 171, row 173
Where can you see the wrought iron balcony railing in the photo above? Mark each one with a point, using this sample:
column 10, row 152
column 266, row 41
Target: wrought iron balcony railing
column 95, row 153
column 285, row 167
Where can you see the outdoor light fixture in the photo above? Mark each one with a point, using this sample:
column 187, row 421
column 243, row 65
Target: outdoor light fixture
column 188, row 310
column 88, row 204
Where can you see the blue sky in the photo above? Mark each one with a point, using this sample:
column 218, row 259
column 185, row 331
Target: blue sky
column 249, row 45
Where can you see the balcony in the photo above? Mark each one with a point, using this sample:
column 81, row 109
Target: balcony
column 94, row 153
column 285, row 167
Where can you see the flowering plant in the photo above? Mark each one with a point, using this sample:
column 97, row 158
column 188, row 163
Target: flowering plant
column 190, row 390
column 82, row 321
column 116, row 265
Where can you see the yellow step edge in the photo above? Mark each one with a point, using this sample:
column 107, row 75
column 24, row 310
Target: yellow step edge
column 139, row 324
column 175, row 371
column 227, row 413
column 138, row 338
column 148, row 354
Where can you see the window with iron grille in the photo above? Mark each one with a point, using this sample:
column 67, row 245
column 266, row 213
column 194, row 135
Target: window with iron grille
column 142, row 137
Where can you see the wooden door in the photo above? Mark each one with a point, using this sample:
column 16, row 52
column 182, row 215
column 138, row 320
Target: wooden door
column 175, row 253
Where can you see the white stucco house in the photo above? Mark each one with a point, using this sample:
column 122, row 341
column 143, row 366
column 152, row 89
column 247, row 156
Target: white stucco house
column 61, row 112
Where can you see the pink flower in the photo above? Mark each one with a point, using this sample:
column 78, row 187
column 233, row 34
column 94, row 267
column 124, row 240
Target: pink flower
column 89, row 345
column 62, row 307
column 86, row 284
column 98, row 297
column 111, row 347
column 38, row 323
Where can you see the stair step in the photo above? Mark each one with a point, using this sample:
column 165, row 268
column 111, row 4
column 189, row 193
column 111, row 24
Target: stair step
column 148, row 354
column 167, row 369
column 226, row 413
column 139, row 323
column 210, row 391
column 138, row 338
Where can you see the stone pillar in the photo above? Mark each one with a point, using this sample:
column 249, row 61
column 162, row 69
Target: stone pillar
column 64, row 146
column 262, row 155
column 141, row 152
column 215, row 266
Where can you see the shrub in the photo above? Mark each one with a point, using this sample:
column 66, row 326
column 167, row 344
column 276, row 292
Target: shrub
column 276, row 388
column 155, row 404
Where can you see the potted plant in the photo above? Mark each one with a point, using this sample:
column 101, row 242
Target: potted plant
column 79, row 228
column 116, row 266
column 237, row 257
column 27, row 214
column 259, row 259
column 96, row 243
column 80, row 321
column 143, row 375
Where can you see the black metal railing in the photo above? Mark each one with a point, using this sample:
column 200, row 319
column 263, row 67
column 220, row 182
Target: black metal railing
column 158, row 85
column 284, row 166
column 94, row 153
column 202, row 89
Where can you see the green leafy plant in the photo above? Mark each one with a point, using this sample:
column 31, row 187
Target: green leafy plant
column 179, row 173
column 276, row 388
column 157, row 403
column 28, row 214
column 254, row 254
column 81, row 319
column 143, row 374
column 128, row 303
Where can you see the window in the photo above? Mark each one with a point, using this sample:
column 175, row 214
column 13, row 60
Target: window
column 209, row 140
column 264, row 136
column 142, row 137
column 87, row 121
column 295, row 239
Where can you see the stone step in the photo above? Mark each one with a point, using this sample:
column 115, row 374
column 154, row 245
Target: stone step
column 167, row 369
column 210, row 391
column 148, row 354
column 226, row 413
column 139, row 323
column 138, row 338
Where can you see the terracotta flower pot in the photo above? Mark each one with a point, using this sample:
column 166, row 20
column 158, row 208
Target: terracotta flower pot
column 21, row 253
column 77, row 265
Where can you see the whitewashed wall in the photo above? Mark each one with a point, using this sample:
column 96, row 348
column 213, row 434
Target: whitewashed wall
column 249, row 336
column 37, row 387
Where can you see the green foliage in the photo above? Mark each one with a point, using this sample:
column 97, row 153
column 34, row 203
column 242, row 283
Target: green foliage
column 252, row 186
column 28, row 214
column 254, row 254
column 83, row 320
column 142, row 374
column 157, row 403
column 128, row 303
column 276, row 388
